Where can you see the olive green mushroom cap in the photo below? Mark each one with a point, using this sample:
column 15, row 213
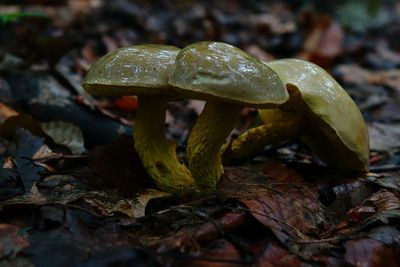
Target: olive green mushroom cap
column 135, row 70
column 218, row 71
column 336, row 130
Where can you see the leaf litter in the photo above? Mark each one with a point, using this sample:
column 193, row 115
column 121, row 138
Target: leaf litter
column 281, row 208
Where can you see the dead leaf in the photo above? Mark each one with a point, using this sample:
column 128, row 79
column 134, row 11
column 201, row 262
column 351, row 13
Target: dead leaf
column 196, row 105
column 190, row 238
column 389, row 78
column 44, row 152
column 138, row 209
column 66, row 134
column 275, row 23
column 276, row 256
column 11, row 241
column 281, row 201
column 258, row 52
column 384, row 137
column 6, row 112
column 370, row 252
column 221, row 254
column 384, row 200
column 383, row 50
column 386, row 181
column 33, row 197
column 355, row 74
column 324, row 42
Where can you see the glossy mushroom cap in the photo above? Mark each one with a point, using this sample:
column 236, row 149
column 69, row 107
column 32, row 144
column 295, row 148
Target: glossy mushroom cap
column 335, row 129
column 218, row 71
column 135, row 70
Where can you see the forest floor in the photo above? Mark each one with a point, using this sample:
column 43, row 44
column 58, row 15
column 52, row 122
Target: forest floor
column 73, row 191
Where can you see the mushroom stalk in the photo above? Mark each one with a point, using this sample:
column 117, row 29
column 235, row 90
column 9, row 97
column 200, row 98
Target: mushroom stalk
column 205, row 141
column 157, row 154
column 253, row 140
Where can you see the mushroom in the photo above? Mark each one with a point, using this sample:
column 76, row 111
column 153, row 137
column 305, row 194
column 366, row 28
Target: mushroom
column 320, row 113
column 143, row 70
column 228, row 79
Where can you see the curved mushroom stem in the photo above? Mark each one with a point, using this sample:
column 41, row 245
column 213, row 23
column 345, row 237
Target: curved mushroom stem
column 157, row 154
column 212, row 128
column 255, row 139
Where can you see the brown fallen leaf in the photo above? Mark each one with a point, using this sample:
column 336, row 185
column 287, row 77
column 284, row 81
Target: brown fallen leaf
column 138, row 208
column 221, row 254
column 189, row 239
column 33, row 197
column 6, row 112
column 389, row 78
column 368, row 252
column 258, row 52
column 275, row 256
column 384, row 200
column 281, row 200
column 353, row 73
column 324, row 42
column 384, row 137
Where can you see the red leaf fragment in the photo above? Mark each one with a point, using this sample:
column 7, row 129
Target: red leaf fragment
column 126, row 103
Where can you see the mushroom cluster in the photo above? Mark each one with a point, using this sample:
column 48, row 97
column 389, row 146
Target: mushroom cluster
column 296, row 99
column 319, row 112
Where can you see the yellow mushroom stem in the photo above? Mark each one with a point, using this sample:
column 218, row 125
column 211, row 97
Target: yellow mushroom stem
column 289, row 126
column 204, row 145
column 157, row 154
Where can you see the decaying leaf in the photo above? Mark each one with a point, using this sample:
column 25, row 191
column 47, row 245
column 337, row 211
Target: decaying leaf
column 140, row 202
column 108, row 204
column 353, row 73
column 279, row 199
column 67, row 134
column 13, row 241
column 380, row 248
column 384, row 137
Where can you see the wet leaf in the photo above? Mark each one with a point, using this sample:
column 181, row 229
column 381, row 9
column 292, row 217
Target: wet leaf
column 346, row 196
column 324, row 42
column 140, row 202
column 66, row 134
column 370, row 252
column 281, row 200
column 9, row 184
column 275, row 255
column 355, row 74
column 6, row 112
column 222, row 253
column 384, row 200
column 386, row 181
column 384, row 137
column 26, row 145
column 10, row 126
